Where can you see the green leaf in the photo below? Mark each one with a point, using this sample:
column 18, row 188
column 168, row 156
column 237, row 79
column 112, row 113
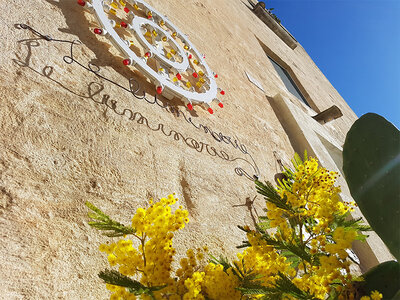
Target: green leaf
column 297, row 161
column 305, row 155
column 361, row 237
column 292, row 247
column 283, row 287
column 284, row 283
column 292, row 258
column 270, row 194
column 348, row 223
column 135, row 287
column 263, row 226
column 223, row 261
column 384, row 278
column 104, row 223
column 115, row 278
column 371, row 165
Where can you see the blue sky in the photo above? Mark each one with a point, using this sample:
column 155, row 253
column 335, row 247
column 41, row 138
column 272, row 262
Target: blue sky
column 356, row 44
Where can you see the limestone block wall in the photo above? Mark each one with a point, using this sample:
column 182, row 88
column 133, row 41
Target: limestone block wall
column 65, row 140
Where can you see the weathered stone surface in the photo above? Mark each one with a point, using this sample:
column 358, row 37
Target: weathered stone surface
column 61, row 146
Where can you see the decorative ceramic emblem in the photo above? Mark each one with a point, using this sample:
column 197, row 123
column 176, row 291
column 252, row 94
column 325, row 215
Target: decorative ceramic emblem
column 152, row 44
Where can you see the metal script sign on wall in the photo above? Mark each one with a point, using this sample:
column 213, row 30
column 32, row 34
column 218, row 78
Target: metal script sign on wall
column 153, row 45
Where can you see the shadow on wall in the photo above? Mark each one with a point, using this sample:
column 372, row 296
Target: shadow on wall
column 291, row 128
column 78, row 25
column 95, row 92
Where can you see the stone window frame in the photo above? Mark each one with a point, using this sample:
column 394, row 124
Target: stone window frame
column 278, row 60
column 288, row 80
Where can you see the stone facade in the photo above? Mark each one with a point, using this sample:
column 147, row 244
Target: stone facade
column 61, row 144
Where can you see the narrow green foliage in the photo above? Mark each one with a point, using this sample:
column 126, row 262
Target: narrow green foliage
column 133, row 286
column 270, row 194
column 270, row 293
column 103, row 222
column 292, row 258
column 264, row 225
column 297, row 162
column 283, row 287
column 348, row 223
column 296, row 249
column 345, row 221
column 223, row 261
column 285, row 284
column 246, row 276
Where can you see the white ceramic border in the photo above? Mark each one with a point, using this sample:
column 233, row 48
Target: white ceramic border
column 169, row 88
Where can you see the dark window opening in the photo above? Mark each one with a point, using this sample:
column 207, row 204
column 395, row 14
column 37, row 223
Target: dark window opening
column 288, row 81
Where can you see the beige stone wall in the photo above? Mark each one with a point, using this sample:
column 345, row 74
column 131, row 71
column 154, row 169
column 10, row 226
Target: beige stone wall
column 60, row 146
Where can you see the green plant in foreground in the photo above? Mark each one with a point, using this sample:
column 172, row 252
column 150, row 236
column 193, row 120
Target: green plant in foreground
column 371, row 163
column 297, row 251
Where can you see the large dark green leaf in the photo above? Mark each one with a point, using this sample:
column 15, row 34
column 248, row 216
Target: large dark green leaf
column 371, row 164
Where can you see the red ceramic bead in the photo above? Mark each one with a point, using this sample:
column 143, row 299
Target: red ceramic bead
column 179, row 76
column 195, row 75
column 147, row 54
column 190, row 106
column 126, row 10
column 210, row 110
column 216, row 75
column 220, row 105
column 159, row 89
column 126, row 62
column 190, row 56
column 81, row 2
column 98, row 31
column 123, row 24
column 222, row 92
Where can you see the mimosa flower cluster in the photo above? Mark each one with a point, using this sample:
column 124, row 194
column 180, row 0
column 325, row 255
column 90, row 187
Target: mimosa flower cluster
column 309, row 221
column 299, row 251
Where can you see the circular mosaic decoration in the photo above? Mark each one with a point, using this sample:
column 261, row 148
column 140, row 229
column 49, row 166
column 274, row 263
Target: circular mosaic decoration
column 152, row 44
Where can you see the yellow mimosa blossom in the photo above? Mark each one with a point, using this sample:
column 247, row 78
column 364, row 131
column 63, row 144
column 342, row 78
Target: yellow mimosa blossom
column 304, row 252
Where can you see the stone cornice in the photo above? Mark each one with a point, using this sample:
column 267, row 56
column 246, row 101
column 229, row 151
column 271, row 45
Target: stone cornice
column 276, row 27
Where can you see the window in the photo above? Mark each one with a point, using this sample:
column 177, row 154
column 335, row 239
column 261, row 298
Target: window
column 288, row 81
